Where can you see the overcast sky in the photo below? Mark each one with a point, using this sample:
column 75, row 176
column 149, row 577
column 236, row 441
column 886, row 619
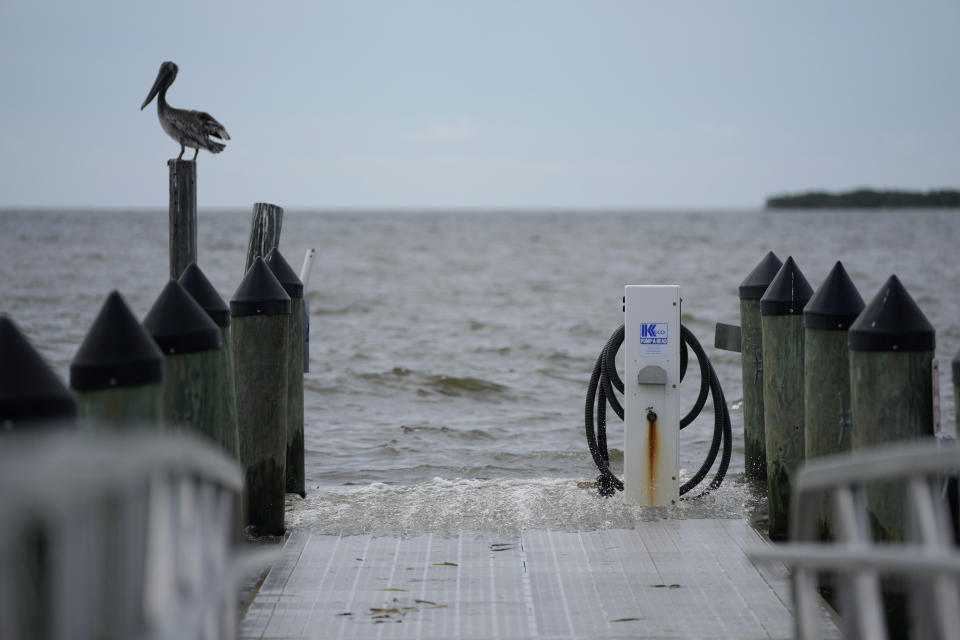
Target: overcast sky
column 539, row 103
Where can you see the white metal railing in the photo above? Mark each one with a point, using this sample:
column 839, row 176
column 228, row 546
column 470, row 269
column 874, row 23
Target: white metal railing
column 126, row 536
column 927, row 560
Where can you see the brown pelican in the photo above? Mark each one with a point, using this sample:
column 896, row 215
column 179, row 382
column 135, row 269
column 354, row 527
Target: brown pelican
column 189, row 128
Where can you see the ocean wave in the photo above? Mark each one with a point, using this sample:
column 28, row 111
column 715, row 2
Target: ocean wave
column 434, row 382
column 496, row 506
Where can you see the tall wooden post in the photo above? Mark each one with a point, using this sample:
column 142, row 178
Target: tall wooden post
column 117, row 373
column 264, row 231
column 198, row 286
column 891, row 393
column 294, row 288
column 891, row 388
column 260, row 309
column 956, row 390
column 194, row 383
column 183, row 215
column 751, row 360
column 31, row 394
column 781, row 308
column 826, row 376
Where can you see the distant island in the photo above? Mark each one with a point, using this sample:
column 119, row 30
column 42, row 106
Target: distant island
column 866, row 199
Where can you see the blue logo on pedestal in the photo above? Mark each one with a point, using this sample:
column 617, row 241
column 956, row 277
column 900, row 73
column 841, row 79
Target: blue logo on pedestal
column 653, row 333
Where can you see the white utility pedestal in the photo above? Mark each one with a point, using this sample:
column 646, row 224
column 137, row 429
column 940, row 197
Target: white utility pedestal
column 651, row 395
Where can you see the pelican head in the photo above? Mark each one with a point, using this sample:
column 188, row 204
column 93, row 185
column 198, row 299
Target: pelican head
column 165, row 78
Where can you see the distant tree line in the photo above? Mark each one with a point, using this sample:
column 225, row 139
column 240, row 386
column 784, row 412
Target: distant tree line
column 866, row 199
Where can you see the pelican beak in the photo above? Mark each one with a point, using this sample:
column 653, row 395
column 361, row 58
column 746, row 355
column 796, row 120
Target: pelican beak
column 168, row 71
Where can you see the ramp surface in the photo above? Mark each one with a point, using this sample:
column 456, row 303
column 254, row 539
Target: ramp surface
column 665, row 579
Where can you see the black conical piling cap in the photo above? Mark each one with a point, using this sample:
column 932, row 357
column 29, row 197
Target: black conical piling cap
column 29, row 390
column 197, row 285
column 117, row 352
column 836, row 304
column 286, row 275
column 788, row 292
column 260, row 293
column 179, row 324
column 892, row 322
column 755, row 284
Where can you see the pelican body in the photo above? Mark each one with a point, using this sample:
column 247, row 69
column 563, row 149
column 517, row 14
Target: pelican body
column 190, row 128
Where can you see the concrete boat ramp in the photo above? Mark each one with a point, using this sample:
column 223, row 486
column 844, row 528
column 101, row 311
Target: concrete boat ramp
column 661, row 579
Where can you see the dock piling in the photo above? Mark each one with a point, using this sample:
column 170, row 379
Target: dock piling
column 751, row 359
column 31, row 394
column 956, row 391
column 183, row 215
column 264, row 231
column 200, row 288
column 295, row 482
column 781, row 310
column 826, row 377
column 195, row 381
column 117, row 373
column 259, row 311
column 891, row 388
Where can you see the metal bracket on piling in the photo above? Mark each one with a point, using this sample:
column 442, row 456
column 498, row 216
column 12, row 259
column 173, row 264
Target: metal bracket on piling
column 727, row 337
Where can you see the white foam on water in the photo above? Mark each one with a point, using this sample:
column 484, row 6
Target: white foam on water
column 495, row 506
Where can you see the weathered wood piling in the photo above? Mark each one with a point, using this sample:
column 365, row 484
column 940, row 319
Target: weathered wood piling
column 295, row 482
column 183, row 215
column 891, row 389
column 31, row 394
column 195, row 380
column 259, row 310
column 956, row 390
column 781, row 309
column 826, row 378
column 117, row 374
column 264, row 231
column 751, row 359
column 197, row 285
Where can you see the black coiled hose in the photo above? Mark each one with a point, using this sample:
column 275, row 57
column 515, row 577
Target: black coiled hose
column 600, row 392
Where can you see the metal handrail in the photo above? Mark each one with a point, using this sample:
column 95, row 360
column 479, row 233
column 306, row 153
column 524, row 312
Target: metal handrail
column 119, row 535
column 928, row 557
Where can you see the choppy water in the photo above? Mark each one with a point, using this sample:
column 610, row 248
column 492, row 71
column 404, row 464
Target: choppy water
column 450, row 352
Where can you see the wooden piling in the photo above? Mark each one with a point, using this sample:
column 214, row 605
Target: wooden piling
column 751, row 360
column 891, row 389
column 956, row 391
column 264, row 231
column 183, row 215
column 201, row 289
column 31, row 394
column 117, row 374
column 194, row 382
column 826, row 377
column 295, row 481
column 781, row 309
column 259, row 310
